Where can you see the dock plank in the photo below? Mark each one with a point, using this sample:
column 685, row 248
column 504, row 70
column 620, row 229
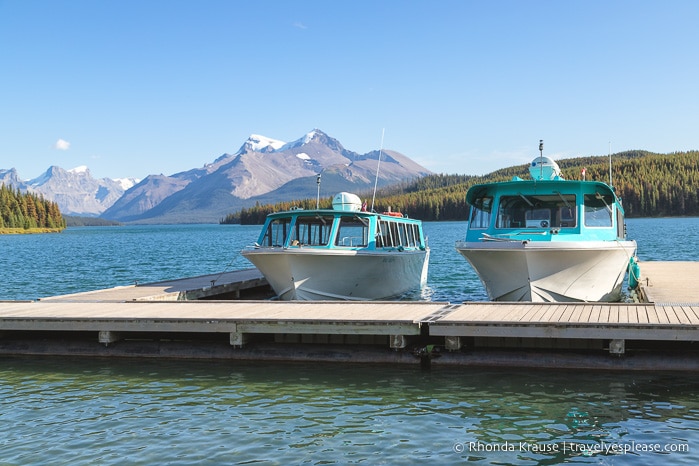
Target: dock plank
column 595, row 313
column 566, row 315
column 681, row 315
column 518, row 313
column 662, row 315
column 577, row 312
column 642, row 314
column 692, row 313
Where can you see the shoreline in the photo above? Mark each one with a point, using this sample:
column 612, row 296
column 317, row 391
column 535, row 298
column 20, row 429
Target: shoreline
column 29, row 231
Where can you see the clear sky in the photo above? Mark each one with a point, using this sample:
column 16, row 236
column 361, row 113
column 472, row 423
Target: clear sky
column 137, row 87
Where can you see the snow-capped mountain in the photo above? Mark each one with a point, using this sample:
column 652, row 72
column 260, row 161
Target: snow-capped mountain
column 262, row 170
column 75, row 190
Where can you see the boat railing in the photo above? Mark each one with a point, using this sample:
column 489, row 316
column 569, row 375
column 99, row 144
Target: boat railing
column 348, row 241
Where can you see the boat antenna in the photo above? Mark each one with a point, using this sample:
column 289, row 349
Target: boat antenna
column 318, row 195
column 541, row 159
column 378, row 165
column 610, row 163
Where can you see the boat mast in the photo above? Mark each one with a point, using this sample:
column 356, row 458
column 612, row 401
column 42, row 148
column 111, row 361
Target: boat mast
column 610, row 163
column 378, row 165
column 318, row 195
column 541, row 159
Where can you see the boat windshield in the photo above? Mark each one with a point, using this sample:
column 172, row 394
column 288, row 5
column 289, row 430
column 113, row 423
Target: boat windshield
column 276, row 232
column 352, row 232
column 537, row 211
column 480, row 213
column 598, row 210
column 312, row 230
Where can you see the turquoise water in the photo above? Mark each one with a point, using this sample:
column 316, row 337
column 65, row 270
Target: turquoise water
column 164, row 412
column 82, row 259
column 109, row 411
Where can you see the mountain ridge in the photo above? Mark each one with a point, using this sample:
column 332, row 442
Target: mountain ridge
column 262, row 168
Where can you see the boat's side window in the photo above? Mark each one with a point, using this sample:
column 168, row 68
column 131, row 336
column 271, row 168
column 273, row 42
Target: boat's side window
column 388, row 235
column 352, row 232
column 276, row 232
column 412, row 242
column 393, row 234
column 403, row 234
column 620, row 224
column 598, row 210
column 416, row 234
column 312, row 231
column 480, row 213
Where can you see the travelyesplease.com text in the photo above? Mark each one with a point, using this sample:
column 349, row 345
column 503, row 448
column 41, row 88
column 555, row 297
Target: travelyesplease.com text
column 571, row 447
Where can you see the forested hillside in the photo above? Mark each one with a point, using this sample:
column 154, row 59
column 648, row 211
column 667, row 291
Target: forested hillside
column 650, row 185
column 28, row 212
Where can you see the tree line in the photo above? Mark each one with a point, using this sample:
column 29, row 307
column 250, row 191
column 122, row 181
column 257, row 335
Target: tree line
column 649, row 184
column 28, row 211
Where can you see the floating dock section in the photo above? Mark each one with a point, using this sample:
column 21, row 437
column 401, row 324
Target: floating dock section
column 164, row 320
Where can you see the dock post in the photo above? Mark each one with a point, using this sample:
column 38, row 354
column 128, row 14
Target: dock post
column 398, row 341
column 452, row 343
column 617, row 347
column 107, row 336
column 238, row 339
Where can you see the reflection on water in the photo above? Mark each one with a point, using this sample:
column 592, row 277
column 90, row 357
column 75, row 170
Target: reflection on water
column 183, row 412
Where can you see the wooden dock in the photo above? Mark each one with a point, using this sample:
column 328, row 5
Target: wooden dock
column 163, row 320
column 226, row 285
column 670, row 282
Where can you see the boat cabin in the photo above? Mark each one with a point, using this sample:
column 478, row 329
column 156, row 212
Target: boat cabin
column 546, row 208
column 345, row 226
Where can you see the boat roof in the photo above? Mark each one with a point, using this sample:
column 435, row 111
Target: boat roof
column 537, row 187
column 341, row 213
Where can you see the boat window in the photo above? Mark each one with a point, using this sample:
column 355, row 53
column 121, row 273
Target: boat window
column 598, row 210
column 312, row 231
column 537, row 211
column 620, row 224
column 388, row 235
column 412, row 242
column 391, row 234
column 480, row 213
column 403, row 234
column 416, row 233
column 353, row 232
column 276, row 233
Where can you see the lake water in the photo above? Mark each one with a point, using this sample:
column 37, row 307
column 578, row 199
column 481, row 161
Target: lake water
column 77, row 411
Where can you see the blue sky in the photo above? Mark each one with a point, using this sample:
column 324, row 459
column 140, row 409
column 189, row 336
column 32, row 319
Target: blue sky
column 131, row 88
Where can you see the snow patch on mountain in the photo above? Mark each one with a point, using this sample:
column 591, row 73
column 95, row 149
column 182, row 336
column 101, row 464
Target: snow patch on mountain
column 80, row 169
column 259, row 143
column 127, row 183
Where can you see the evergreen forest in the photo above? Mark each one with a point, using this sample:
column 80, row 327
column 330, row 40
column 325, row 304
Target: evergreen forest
column 28, row 212
column 649, row 184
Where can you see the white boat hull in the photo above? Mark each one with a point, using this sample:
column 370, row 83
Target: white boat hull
column 307, row 274
column 550, row 271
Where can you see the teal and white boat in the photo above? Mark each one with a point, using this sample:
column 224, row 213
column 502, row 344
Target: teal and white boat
column 547, row 239
column 343, row 253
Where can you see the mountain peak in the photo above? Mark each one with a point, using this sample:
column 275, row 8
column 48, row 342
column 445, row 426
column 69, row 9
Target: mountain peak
column 259, row 143
column 315, row 135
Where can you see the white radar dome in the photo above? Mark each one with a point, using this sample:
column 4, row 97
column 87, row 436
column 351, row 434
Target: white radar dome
column 347, row 201
column 544, row 168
